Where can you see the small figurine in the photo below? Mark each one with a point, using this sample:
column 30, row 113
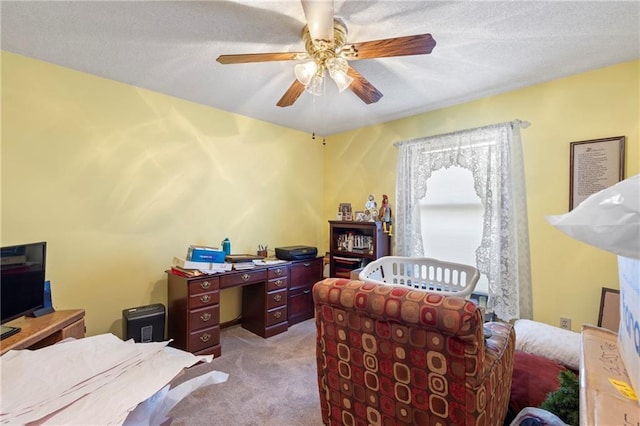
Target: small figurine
column 385, row 214
column 350, row 239
column 372, row 207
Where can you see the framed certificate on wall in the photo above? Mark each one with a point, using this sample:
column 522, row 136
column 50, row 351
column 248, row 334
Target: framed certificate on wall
column 594, row 165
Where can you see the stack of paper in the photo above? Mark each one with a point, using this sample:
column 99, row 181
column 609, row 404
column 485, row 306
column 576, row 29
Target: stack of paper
column 190, row 268
column 95, row 380
column 266, row 262
column 240, row 266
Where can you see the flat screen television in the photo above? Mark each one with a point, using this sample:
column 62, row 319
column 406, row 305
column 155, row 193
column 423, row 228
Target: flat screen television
column 22, row 279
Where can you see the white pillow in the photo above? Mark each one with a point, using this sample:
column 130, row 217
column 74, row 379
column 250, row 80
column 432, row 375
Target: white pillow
column 554, row 343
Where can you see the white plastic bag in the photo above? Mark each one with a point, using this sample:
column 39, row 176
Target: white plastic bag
column 609, row 219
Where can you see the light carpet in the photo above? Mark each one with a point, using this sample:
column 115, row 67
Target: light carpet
column 271, row 381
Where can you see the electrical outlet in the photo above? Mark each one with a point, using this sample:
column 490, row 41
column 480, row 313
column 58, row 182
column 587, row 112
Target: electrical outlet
column 565, row 323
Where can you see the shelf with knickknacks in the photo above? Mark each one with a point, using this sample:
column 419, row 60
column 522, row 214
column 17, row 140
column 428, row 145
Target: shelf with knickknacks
column 353, row 244
column 384, row 215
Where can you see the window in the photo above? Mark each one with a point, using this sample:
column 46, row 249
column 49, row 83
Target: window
column 435, row 208
column 452, row 216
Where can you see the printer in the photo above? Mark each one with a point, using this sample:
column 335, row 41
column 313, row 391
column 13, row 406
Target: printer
column 296, row 253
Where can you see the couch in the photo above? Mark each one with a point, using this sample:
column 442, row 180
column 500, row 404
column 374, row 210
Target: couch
column 392, row 355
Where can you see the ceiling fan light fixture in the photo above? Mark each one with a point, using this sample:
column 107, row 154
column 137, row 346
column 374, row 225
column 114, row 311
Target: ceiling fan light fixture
column 342, row 80
column 305, row 71
column 315, row 84
column 336, row 64
column 338, row 68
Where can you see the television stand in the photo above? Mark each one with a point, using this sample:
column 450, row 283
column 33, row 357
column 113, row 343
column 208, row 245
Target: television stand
column 44, row 330
column 42, row 311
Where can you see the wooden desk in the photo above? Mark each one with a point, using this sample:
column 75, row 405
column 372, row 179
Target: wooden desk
column 45, row 330
column 274, row 297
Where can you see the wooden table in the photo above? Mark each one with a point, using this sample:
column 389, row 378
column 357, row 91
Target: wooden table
column 45, row 330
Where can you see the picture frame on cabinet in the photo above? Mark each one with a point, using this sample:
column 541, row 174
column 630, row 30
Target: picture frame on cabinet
column 360, row 216
column 594, row 165
column 345, row 208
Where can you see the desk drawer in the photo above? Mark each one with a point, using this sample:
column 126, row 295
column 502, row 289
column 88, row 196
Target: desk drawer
column 242, row 278
column 203, row 285
column 277, row 298
column 277, row 315
column 206, row 317
column 272, row 330
column 305, row 274
column 277, row 272
column 302, row 276
column 204, row 299
column 277, row 284
column 300, row 306
column 201, row 339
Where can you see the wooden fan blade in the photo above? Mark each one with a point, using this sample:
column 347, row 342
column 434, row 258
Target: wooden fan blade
column 419, row 44
column 261, row 57
column 291, row 95
column 319, row 15
column 361, row 87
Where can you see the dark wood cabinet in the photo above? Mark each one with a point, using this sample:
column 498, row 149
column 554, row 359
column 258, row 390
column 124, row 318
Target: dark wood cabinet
column 194, row 313
column 264, row 305
column 354, row 244
column 303, row 274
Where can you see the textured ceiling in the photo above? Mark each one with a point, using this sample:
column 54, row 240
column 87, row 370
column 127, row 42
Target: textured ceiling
column 483, row 48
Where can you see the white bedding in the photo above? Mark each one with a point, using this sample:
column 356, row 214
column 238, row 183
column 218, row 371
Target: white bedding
column 554, row 343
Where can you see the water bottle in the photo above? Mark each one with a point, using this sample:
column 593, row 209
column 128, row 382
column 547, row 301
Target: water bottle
column 226, row 246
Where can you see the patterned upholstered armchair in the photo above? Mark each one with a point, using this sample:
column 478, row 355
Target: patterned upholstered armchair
column 393, row 355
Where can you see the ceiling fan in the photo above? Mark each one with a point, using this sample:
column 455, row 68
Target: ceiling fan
column 325, row 39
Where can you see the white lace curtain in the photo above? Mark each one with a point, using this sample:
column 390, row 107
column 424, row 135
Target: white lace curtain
column 493, row 154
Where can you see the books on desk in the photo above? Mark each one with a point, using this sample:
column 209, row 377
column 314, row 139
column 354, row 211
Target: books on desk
column 190, row 269
column 190, row 264
column 267, row 262
column 242, row 262
column 241, row 266
column 187, row 273
column 238, row 262
column 257, row 262
column 241, row 258
column 205, row 254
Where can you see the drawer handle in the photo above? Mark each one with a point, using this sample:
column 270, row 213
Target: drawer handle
column 205, row 298
column 205, row 337
column 306, row 292
column 277, row 314
column 277, row 297
column 205, row 285
column 246, row 277
column 306, row 265
column 278, row 283
column 278, row 271
column 205, row 317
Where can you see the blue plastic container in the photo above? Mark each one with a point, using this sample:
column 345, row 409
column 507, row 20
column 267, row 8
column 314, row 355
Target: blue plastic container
column 226, row 246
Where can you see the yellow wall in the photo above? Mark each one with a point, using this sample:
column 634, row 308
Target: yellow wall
column 567, row 275
column 118, row 180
